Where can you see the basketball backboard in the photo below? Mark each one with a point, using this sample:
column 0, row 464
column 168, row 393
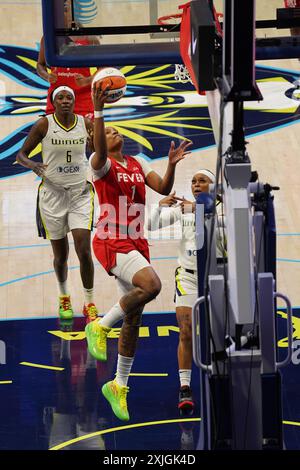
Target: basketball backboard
column 84, row 33
column 113, row 32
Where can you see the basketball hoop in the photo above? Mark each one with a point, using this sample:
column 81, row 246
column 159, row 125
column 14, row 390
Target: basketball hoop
column 181, row 73
column 184, row 73
column 176, row 19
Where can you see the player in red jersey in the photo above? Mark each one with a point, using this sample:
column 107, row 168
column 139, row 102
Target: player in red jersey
column 79, row 79
column 293, row 4
column 120, row 246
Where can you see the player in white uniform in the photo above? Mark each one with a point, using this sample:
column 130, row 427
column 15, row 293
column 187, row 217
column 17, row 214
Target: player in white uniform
column 186, row 274
column 65, row 197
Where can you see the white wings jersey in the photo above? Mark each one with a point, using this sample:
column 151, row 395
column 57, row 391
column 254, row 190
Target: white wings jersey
column 164, row 217
column 64, row 152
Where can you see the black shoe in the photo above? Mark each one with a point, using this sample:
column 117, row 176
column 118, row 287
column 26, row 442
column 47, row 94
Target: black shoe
column 186, row 403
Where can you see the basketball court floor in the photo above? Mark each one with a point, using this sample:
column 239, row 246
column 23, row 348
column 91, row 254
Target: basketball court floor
column 49, row 386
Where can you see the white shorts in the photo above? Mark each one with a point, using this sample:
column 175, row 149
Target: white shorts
column 61, row 210
column 186, row 288
column 127, row 265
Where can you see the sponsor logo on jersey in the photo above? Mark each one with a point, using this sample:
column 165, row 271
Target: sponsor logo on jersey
column 79, row 141
column 68, row 169
column 191, row 252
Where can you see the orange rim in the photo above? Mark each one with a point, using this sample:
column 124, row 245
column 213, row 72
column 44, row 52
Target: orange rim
column 163, row 20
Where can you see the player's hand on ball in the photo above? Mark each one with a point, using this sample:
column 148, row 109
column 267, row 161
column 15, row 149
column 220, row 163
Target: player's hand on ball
column 99, row 97
column 39, row 168
column 179, row 153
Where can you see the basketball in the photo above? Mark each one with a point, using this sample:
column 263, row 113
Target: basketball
column 113, row 78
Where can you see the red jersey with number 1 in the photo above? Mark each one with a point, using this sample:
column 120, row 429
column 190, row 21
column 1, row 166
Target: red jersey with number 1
column 121, row 192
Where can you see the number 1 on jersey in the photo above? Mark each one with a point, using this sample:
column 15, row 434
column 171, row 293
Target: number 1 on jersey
column 69, row 156
column 133, row 191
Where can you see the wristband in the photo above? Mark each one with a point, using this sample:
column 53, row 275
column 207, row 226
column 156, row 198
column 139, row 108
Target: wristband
column 98, row 114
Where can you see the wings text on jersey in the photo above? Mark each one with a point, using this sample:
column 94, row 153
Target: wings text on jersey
column 79, row 141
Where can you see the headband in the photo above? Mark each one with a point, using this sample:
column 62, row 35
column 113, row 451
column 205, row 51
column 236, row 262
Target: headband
column 207, row 173
column 62, row 88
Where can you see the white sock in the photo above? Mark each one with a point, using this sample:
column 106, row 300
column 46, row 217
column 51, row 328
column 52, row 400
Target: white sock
column 123, row 369
column 63, row 288
column 185, row 377
column 88, row 296
column 112, row 317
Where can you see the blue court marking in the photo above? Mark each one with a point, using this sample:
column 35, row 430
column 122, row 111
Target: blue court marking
column 19, row 130
column 159, row 258
column 287, row 260
column 44, row 273
column 288, row 234
column 20, row 247
column 275, row 128
column 37, row 245
column 31, row 276
column 30, row 75
column 292, row 72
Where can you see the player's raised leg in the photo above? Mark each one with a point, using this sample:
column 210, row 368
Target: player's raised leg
column 146, row 287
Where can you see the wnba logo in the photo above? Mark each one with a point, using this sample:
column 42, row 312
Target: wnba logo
column 2, row 352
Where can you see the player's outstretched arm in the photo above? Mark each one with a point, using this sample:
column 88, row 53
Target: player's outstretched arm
column 100, row 156
column 35, row 136
column 159, row 217
column 164, row 185
column 41, row 66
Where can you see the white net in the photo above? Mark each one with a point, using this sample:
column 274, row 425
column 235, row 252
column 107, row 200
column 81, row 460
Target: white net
column 181, row 74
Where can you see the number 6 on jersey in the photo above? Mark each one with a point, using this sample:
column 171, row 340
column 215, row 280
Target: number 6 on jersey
column 69, row 156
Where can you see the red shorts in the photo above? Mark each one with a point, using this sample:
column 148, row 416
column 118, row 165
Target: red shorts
column 292, row 3
column 106, row 250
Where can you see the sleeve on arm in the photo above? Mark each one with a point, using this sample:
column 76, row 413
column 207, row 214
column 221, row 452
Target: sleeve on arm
column 161, row 217
column 98, row 174
column 146, row 167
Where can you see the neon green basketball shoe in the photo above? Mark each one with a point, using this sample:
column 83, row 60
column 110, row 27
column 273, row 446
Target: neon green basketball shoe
column 96, row 336
column 116, row 395
column 65, row 307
